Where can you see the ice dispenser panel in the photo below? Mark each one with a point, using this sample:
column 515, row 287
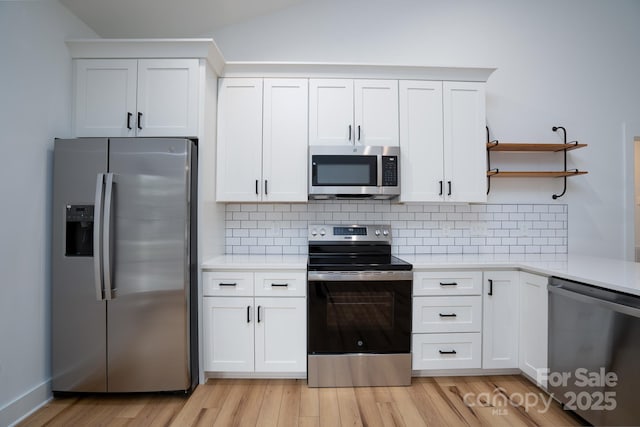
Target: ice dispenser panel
column 79, row 229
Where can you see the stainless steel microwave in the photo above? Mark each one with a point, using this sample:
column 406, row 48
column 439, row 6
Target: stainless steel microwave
column 354, row 172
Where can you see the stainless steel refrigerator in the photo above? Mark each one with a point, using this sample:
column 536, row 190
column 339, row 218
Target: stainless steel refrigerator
column 124, row 292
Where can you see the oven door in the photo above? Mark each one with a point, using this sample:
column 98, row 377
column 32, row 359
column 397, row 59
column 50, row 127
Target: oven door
column 351, row 171
column 359, row 312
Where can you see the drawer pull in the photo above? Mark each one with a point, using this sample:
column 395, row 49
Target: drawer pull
column 280, row 285
column 447, row 352
column 227, row 284
column 248, row 314
column 448, row 284
column 448, row 315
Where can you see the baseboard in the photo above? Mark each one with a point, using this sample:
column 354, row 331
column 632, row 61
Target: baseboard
column 256, row 375
column 25, row 405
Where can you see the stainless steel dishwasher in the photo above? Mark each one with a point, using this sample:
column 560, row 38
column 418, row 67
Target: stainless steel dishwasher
column 594, row 350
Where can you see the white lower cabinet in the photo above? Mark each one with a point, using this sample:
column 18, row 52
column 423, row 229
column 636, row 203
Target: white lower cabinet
column 254, row 333
column 447, row 351
column 534, row 312
column 500, row 320
column 447, row 320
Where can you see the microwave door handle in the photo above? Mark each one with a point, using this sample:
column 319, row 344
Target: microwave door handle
column 379, row 172
column 97, row 238
column 106, row 238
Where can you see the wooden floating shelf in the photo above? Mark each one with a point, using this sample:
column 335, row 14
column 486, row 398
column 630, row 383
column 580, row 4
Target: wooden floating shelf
column 531, row 147
column 532, row 174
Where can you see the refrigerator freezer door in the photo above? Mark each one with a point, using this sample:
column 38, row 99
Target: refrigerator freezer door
column 78, row 316
column 148, row 317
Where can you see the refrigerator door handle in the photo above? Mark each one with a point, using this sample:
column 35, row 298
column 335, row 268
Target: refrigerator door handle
column 97, row 238
column 106, row 237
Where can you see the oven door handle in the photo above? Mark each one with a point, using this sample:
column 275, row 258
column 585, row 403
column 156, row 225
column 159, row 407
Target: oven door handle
column 358, row 276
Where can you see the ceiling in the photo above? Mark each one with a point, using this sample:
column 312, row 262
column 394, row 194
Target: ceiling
column 167, row 18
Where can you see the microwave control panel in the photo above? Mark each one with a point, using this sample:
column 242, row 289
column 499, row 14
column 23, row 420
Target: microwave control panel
column 389, row 171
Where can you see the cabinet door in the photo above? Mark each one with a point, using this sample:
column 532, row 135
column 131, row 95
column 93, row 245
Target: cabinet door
column 228, row 334
column 376, row 112
column 464, row 142
column 331, row 112
column 534, row 317
column 421, row 143
column 167, row 98
column 500, row 320
column 105, row 97
column 239, row 171
column 281, row 335
column 284, row 140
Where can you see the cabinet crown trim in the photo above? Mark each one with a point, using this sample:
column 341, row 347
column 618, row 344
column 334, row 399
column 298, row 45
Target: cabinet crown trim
column 205, row 48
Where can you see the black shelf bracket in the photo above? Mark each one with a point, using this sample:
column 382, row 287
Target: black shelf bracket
column 490, row 143
column 564, row 178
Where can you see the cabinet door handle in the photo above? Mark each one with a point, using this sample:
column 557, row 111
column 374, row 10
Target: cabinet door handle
column 280, row 285
column 441, row 187
column 448, row 284
column 129, row 115
column 449, row 184
column 258, row 314
column 266, row 188
column 447, row 352
column 448, row 315
column 256, row 186
column 139, row 120
column 349, row 132
column 490, row 293
column 358, row 132
column 227, row 284
column 248, row 314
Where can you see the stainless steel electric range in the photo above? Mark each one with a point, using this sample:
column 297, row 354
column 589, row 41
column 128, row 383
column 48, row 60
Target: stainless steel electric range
column 359, row 308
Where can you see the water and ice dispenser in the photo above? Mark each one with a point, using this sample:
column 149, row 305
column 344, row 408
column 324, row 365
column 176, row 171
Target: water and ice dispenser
column 79, row 230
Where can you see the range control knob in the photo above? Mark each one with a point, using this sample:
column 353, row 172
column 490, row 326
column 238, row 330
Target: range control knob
column 377, row 232
column 322, row 232
column 385, row 232
column 314, row 232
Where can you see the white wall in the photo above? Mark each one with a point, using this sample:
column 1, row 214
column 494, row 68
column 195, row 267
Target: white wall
column 560, row 62
column 35, row 107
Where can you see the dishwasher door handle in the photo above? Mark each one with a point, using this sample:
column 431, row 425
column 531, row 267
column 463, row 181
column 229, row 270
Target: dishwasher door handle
column 620, row 308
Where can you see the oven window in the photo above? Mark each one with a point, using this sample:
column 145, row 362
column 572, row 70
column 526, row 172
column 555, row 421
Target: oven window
column 359, row 317
column 344, row 170
column 360, row 310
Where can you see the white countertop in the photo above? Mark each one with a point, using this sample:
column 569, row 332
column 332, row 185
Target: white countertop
column 256, row 262
column 623, row 276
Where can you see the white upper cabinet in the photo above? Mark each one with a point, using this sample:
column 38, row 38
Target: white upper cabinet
column 284, row 140
column 356, row 112
column 464, row 141
column 167, row 97
column 105, row 97
column 421, row 141
column 442, row 141
column 262, row 140
column 130, row 97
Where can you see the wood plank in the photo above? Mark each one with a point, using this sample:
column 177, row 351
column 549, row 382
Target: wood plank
column 390, row 415
column 531, row 147
column 432, row 404
column 309, row 422
column 309, row 402
column 49, row 411
column 207, row 417
column 290, row 406
column 410, row 414
column 348, row 407
column 231, row 412
column 368, row 407
column 329, row 409
column 533, row 174
column 270, row 408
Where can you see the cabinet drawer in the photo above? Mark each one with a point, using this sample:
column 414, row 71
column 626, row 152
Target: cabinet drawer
column 281, row 283
column 447, row 314
column 446, row 351
column 447, row 283
column 222, row 283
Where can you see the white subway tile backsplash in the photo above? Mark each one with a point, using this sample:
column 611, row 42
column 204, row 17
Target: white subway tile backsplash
column 281, row 228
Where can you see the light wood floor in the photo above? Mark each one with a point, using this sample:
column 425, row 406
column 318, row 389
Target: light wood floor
column 444, row 401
